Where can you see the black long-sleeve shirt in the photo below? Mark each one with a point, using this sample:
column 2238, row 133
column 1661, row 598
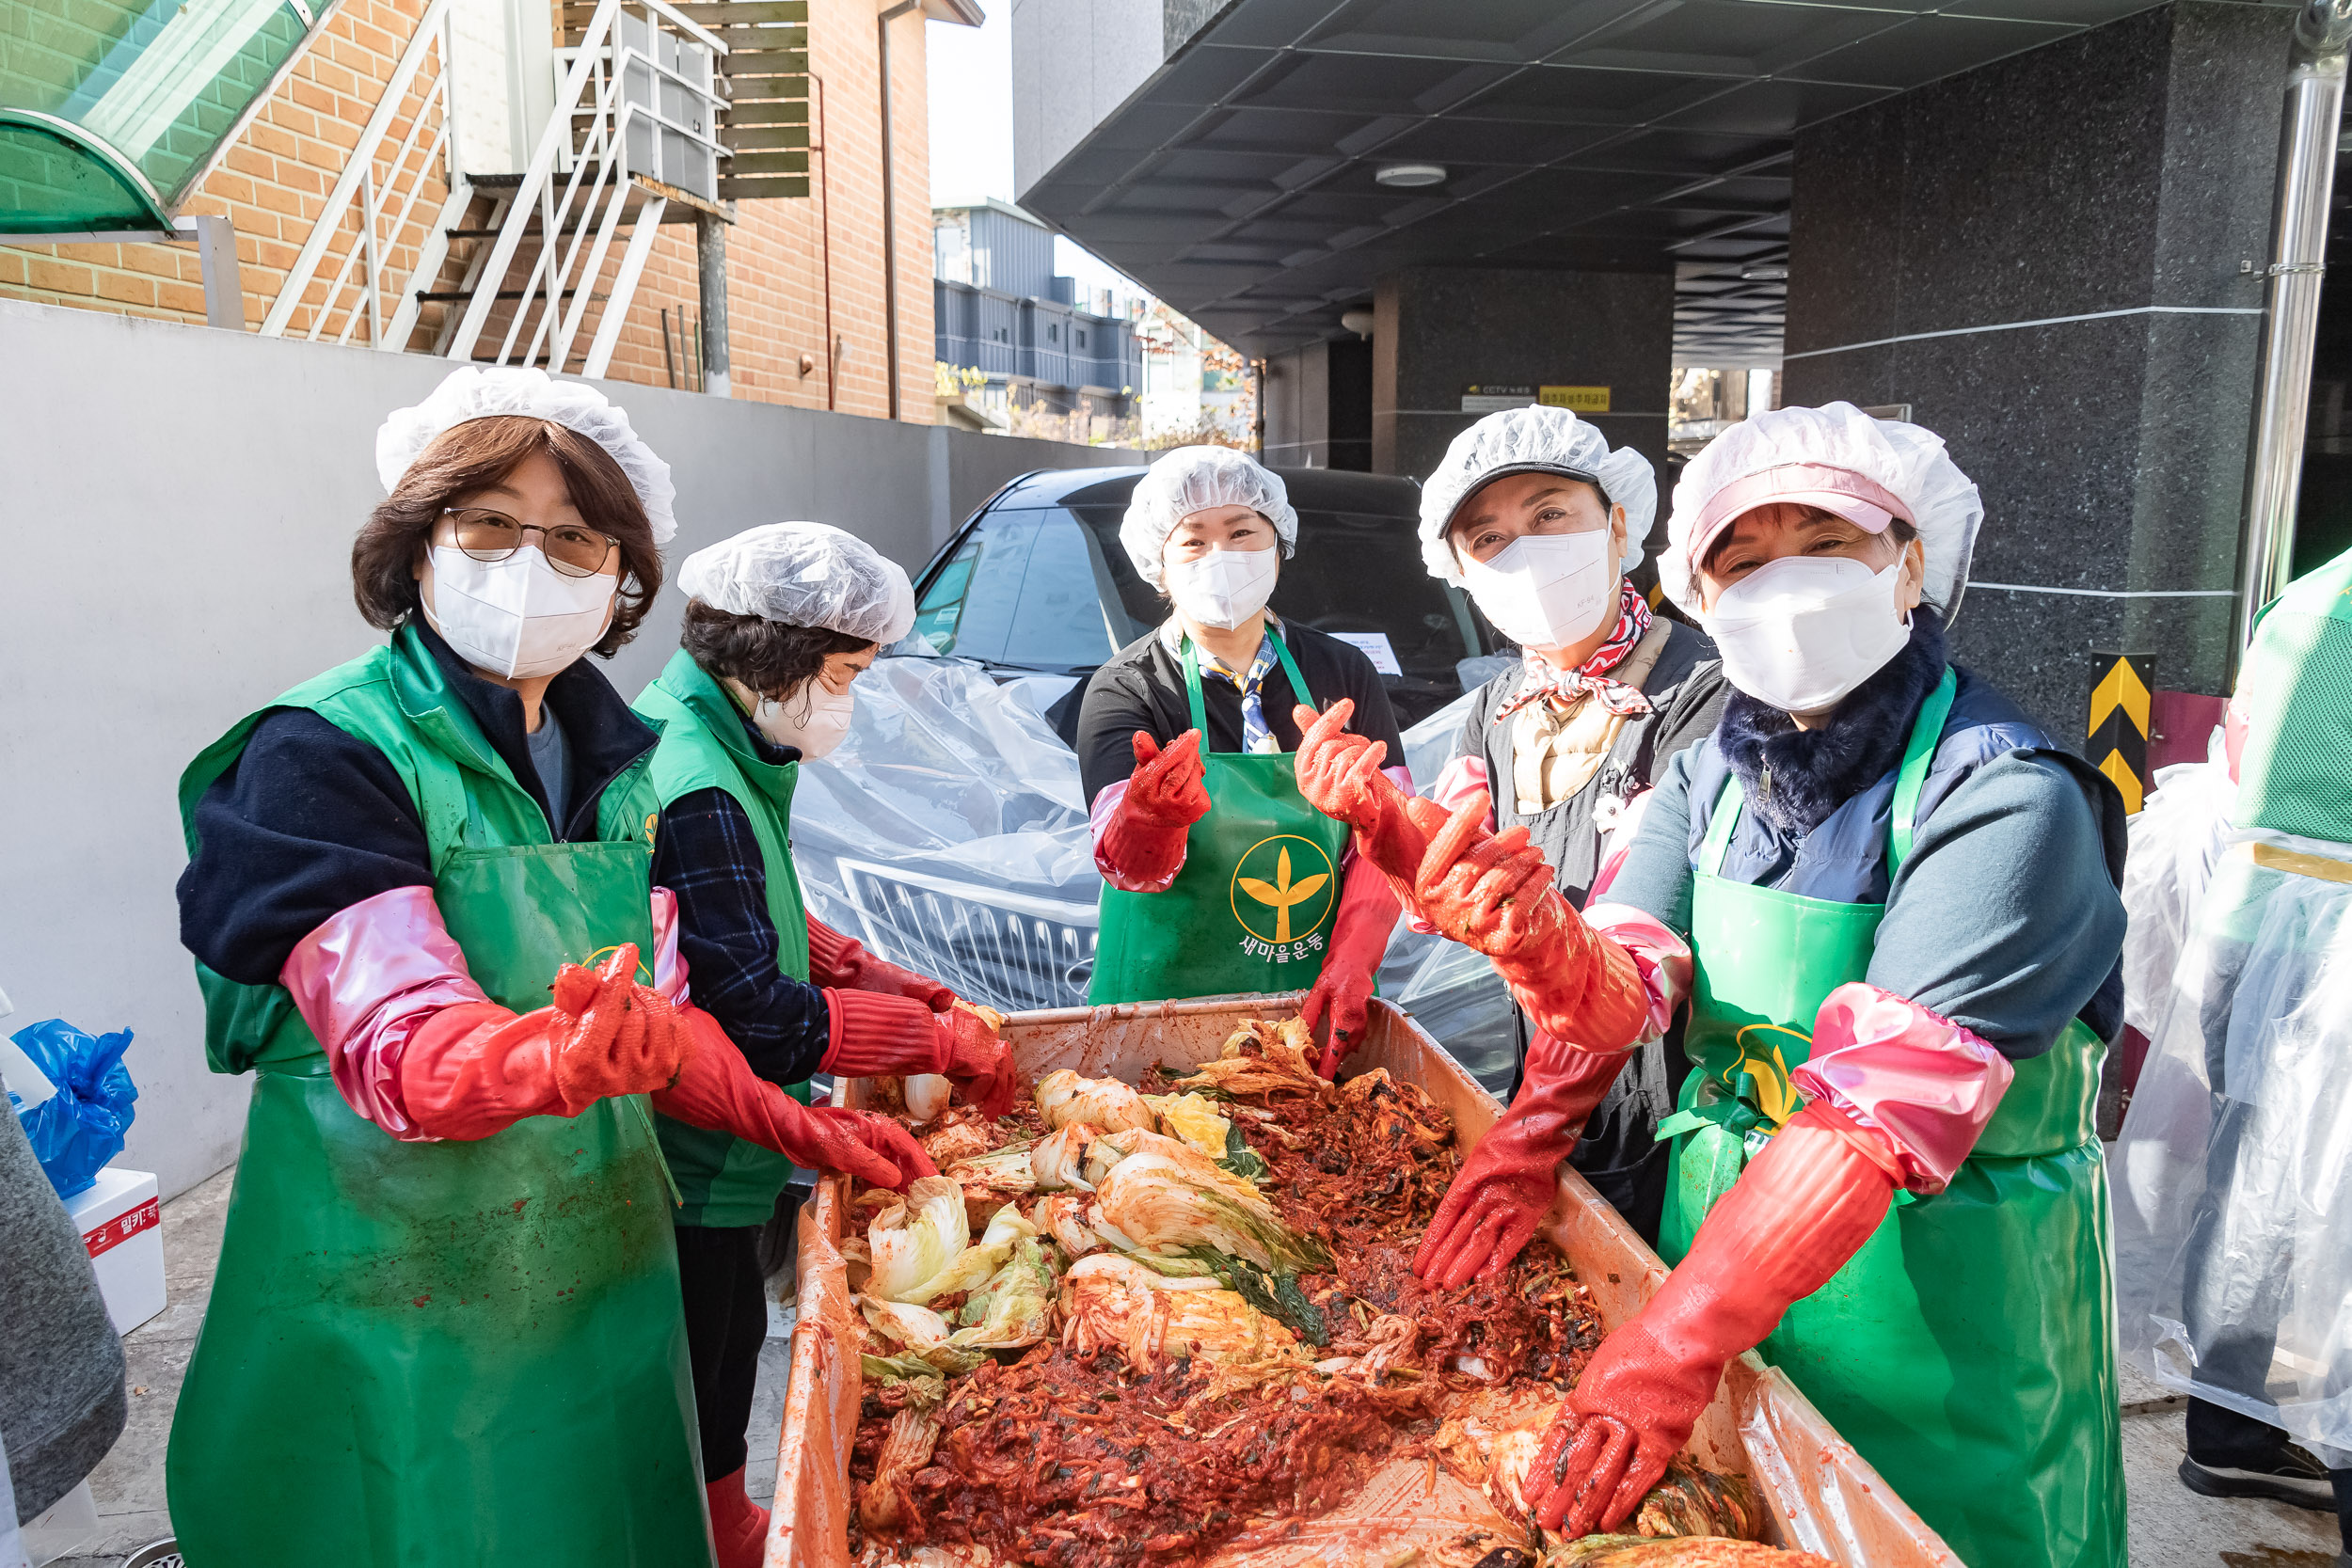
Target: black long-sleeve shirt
column 1142, row 687
column 706, row 853
column 311, row 819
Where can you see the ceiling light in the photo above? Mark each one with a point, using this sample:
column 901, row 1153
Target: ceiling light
column 1406, row 177
column 1358, row 321
column 1775, row 273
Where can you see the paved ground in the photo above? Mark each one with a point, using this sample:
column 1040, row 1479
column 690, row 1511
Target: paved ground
column 129, row 1485
column 2171, row 1526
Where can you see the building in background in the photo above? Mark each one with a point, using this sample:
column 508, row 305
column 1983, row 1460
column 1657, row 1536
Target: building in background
column 736, row 189
column 1021, row 349
column 2046, row 230
column 1027, row 350
column 1705, row 402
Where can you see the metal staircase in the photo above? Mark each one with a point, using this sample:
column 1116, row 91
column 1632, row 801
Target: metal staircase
column 414, row 254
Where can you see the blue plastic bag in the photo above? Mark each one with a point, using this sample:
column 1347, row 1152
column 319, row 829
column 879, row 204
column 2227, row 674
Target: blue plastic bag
column 77, row 1129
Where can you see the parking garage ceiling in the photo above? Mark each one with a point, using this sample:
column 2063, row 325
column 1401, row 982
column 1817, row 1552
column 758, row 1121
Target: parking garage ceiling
column 1241, row 182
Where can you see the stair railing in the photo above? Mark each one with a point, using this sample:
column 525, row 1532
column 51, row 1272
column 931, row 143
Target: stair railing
column 596, row 192
column 357, row 288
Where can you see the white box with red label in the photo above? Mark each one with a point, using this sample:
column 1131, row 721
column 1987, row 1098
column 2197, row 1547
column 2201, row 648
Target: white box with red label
column 121, row 1223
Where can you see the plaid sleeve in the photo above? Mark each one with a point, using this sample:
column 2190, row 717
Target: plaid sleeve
column 706, row 854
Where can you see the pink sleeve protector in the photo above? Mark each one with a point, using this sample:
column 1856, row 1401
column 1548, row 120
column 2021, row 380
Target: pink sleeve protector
column 1916, row 1078
column 364, row 981
column 669, row 967
column 1464, row 777
column 1104, row 811
column 1662, row 959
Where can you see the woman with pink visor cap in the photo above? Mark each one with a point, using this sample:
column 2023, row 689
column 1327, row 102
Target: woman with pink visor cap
column 1890, row 904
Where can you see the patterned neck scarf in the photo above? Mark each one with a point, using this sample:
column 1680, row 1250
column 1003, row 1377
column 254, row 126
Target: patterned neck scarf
column 1565, row 688
column 1255, row 734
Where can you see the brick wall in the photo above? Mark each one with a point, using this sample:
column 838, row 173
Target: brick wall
column 273, row 184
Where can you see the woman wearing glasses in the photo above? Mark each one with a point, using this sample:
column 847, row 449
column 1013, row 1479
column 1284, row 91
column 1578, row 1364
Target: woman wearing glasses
column 448, row 1296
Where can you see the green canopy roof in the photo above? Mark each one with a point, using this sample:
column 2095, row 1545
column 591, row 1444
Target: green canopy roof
column 111, row 109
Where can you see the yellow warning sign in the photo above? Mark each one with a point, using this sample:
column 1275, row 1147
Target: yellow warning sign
column 1582, row 399
column 2117, row 730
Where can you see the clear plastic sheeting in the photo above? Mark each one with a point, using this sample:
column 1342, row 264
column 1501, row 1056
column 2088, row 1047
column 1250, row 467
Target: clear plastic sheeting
column 2174, row 841
column 1451, row 989
column 2232, row 1180
column 948, row 834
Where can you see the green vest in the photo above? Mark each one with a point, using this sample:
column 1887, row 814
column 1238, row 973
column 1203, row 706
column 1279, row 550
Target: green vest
column 2297, row 691
column 470, row 1351
column 724, row 1180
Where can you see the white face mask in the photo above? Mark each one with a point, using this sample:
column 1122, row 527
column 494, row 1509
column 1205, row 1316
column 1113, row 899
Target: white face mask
column 1224, row 587
column 1803, row 631
column 517, row 617
column 1546, row 590
column 810, row 716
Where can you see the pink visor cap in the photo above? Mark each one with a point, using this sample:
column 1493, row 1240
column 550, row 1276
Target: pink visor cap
column 1862, row 501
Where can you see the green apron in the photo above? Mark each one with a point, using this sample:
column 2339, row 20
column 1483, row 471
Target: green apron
column 1967, row 1350
column 723, row 1179
column 1253, row 909
column 436, row 1354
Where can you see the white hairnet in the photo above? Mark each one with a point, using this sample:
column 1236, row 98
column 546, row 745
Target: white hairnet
column 485, row 391
column 804, row 575
column 1193, row 478
column 1906, row 461
column 1533, row 440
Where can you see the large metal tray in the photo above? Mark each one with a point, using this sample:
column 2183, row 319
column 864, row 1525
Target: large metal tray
column 1821, row 1495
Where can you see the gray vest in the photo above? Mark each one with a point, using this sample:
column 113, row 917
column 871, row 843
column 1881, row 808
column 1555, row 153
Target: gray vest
column 1686, row 691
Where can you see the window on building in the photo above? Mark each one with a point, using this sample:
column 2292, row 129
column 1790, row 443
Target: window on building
column 1053, row 334
column 1082, row 337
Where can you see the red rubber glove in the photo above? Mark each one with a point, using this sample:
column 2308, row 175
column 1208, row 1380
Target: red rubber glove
column 896, row 1034
column 1506, row 1186
column 843, row 962
column 1803, row 1207
column 1495, row 892
column 477, row 1069
column 1360, row 938
column 1144, row 840
column 718, row 1091
column 1340, row 775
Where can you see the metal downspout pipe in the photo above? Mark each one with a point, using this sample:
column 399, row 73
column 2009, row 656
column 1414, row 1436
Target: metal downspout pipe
column 2307, row 175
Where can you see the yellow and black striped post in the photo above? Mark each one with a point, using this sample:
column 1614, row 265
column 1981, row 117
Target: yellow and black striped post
column 2119, row 723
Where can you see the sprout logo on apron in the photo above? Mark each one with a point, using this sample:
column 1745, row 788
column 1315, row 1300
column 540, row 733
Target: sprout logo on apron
column 1283, row 890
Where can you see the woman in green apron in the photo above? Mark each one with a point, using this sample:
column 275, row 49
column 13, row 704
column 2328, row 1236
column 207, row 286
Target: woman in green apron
column 1891, row 905
column 445, row 1328
column 780, row 620
column 1222, row 878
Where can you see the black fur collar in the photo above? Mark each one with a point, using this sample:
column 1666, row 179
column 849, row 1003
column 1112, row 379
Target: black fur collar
column 1816, row 772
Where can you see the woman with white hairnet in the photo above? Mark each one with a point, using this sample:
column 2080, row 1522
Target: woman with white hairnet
column 1222, row 876
column 445, row 1327
column 1536, row 517
column 780, row 622
column 1891, row 905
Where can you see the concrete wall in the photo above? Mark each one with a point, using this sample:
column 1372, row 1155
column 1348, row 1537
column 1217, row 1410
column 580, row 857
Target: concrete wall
column 178, row 512
column 1318, row 407
column 1073, row 61
column 2042, row 258
column 1438, row 330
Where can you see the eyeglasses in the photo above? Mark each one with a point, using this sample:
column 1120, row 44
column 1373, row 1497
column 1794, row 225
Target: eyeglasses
column 571, row 548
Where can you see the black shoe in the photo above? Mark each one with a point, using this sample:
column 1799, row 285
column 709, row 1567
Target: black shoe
column 2287, row 1474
